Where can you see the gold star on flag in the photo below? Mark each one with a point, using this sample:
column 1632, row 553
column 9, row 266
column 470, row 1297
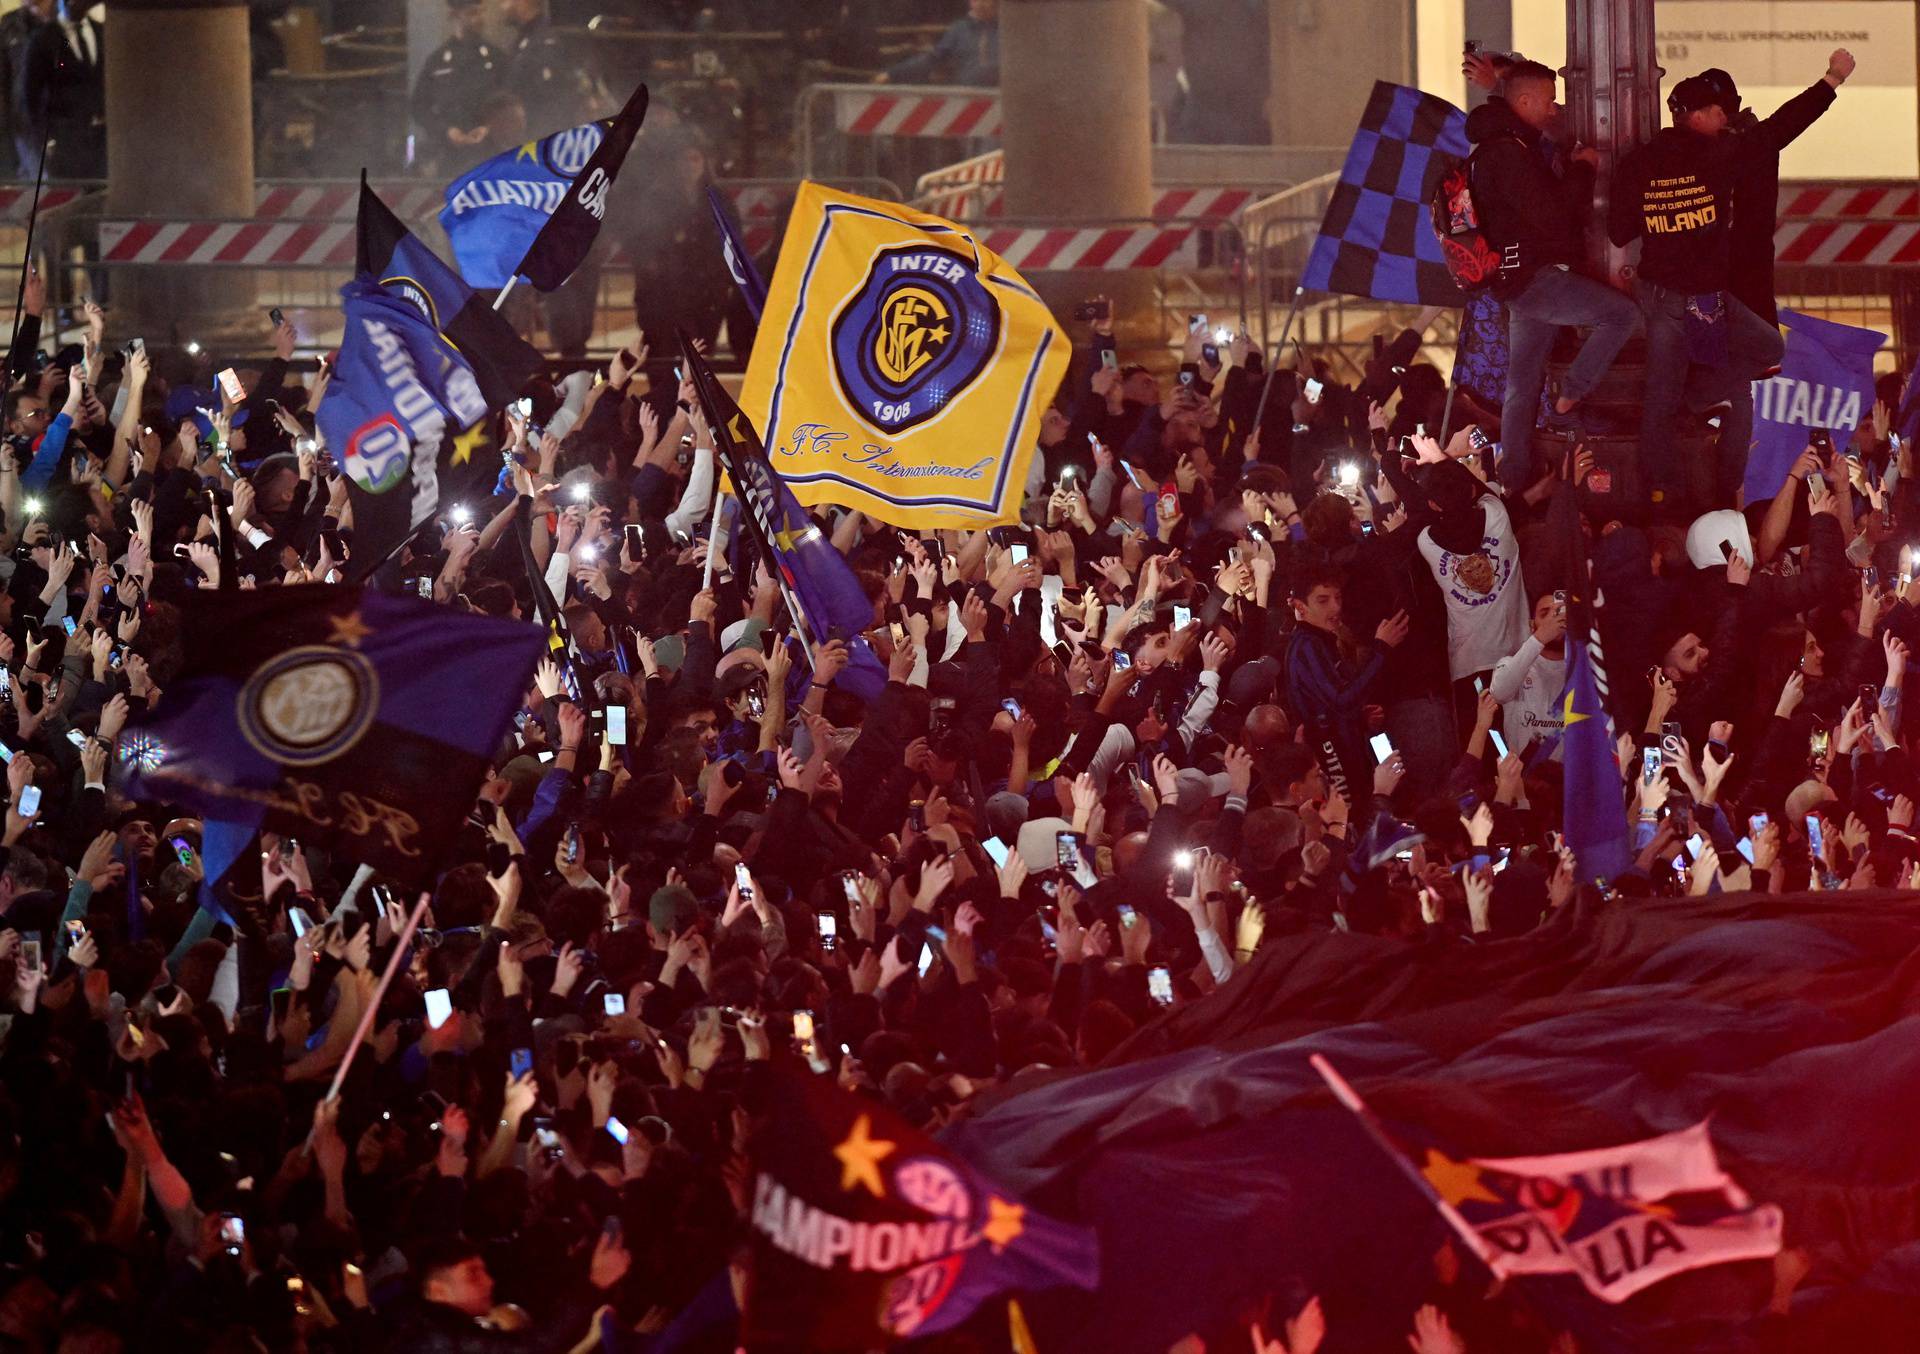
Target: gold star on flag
column 860, row 1156
column 1573, row 716
column 530, row 151
column 1004, row 1222
column 1456, row 1181
column 348, row 629
column 469, row 442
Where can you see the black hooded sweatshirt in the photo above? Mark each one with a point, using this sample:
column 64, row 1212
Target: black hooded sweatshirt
column 1533, row 216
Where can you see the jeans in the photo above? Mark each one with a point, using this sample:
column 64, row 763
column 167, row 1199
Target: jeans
column 1753, row 346
column 1553, row 298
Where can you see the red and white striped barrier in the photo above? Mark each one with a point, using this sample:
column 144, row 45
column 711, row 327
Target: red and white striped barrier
column 341, row 201
column 249, row 244
column 883, row 112
column 1879, row 202
column 1110, row 248
column 16, row 199
column 1845, row 243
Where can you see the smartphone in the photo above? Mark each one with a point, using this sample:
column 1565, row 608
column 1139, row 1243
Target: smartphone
column 1182, row 616
column 30, row 953
column 1814, row 838
column 520, row 1062
column 1816, row 743
column 300, row 921
column 828, row 927
column 1160, row 985
column 1312, row 390
column 1382, row 747
column 803, row 1026
column 1757, row 824
column 1478, row 439
column 279, row 1001
column 1649, row 765
column 230, row 387
column 68, row 624
column 1092, row 310
column 1127, row 915
column 617, row 725
column 233, row 1232
column 1012, row 707
column 1560, row 604
column 1110, row 359
column 29, row 801
column 1869, row 699
column 996, row 850
column 1182, row 873
column 439, row 1007
column 1499, row 743
column 926, row 957
column 1066, row 850
column 571, row 844
column 1195, row 322
column 1017, row 553
column 1121, row 661
column 76, row 932
column 617, row 1131
column 743, row 880
column 182, row 850
column 613, row 1004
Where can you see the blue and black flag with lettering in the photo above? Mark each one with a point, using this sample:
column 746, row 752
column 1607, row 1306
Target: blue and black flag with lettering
column 399, row 393
column 535, row 210
column 865, row 1230
column 1377, row 238
column 396, row 260
column 740, row 265
column 323, row 712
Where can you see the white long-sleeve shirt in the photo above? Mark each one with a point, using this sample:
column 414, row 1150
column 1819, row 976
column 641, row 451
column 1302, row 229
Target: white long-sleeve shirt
column 698, row 494
column 1530, row 688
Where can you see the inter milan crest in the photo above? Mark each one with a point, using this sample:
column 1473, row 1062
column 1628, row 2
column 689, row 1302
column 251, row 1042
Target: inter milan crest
column 919, row 331
column 566, row 153
column 308, row 705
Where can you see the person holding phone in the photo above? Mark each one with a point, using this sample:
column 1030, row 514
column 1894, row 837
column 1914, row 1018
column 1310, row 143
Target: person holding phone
column 1530, row 683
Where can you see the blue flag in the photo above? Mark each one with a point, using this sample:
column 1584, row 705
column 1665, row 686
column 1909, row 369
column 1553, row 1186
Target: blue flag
column 396, row 388
column 1595, row 819
column 1906, row 419
column 865, row 1230
column 1377, row 239
column 815, row 578
column 323, row 712
column 1825, row 381
column 495, row 210
column 753, row 287
column 387, row 253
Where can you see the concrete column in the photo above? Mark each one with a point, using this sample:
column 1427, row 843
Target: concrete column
column 180, row 144
column 1076, row 126
column 1325, row 57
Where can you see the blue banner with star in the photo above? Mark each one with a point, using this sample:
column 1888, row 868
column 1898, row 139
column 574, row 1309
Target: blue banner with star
column 322, row 712
column 865, row 1230
column 496, row 209
column 1594, row 807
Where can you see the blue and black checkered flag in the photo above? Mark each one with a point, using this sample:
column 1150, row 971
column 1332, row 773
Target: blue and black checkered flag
column 1377, row 239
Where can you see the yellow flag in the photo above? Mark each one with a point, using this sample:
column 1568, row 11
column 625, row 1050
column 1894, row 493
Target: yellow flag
column 901, row 368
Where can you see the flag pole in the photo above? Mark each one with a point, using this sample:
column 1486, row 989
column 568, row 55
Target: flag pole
column 33, row 217
column 506, row 291
column 373, row 1005
column 713, row 543
column 1350, row 1098
column 1273, row 365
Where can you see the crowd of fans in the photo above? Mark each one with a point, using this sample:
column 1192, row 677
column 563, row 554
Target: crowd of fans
column 1264, row 657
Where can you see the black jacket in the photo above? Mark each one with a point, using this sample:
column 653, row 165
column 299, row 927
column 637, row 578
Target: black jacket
column 421, row 1327
column 1756, row 195
column 1533, row 216
column 1677, row 195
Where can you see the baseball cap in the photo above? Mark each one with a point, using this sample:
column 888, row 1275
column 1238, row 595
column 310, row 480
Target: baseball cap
column 1723, row 82
column 1691, row 95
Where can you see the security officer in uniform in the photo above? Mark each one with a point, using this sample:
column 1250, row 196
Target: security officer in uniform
column 453, row 89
